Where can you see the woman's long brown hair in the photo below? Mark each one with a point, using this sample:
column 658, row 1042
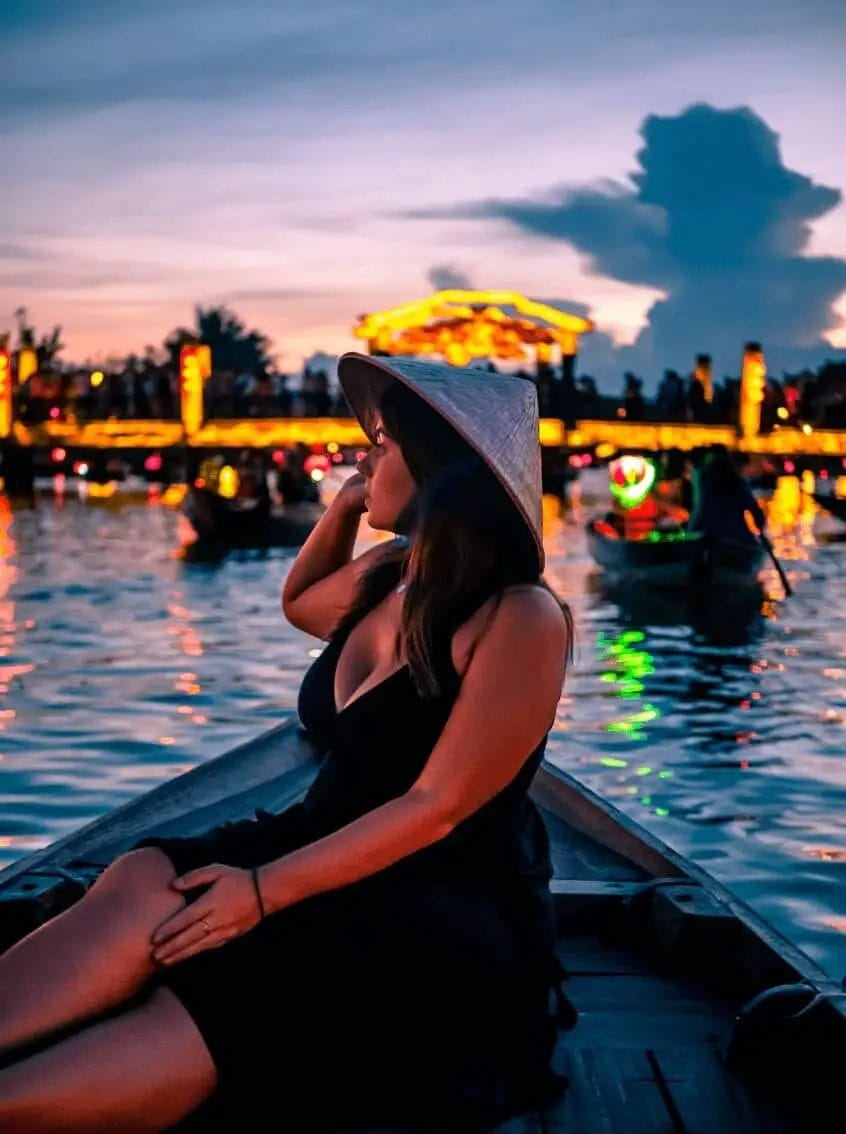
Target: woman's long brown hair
column 468, row 542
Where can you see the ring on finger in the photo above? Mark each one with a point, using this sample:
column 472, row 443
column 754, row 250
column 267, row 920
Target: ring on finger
column 205, row 925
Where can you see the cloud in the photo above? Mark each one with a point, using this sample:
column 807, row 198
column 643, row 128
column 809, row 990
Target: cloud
column 99, row 56
column 714, row 219
column 445, row 277
column 11, row 250
column 277, row 294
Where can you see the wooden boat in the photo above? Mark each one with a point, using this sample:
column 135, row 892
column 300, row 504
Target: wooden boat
column 677, row 559
column 836, row 505
column 694, row 1014
column 215, row 527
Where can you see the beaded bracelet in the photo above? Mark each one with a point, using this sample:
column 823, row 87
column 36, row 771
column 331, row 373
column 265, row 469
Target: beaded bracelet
column 254, row 872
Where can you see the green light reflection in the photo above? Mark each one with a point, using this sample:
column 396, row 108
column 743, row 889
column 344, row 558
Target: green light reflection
column 627, row 665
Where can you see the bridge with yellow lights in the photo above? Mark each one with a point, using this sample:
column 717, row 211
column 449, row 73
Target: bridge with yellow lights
column 458, row 325
column 259, row 433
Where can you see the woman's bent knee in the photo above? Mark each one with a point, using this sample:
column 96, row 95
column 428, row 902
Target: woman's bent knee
column 143, row 871
column 129, row 900
column 135, row 892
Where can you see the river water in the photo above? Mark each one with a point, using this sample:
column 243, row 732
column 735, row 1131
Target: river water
column 721, row 730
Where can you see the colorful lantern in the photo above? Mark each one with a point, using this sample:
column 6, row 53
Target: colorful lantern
column 27, row 364
column 753, row 381
column 631, row 478
column 191, row 366
column 5, row 393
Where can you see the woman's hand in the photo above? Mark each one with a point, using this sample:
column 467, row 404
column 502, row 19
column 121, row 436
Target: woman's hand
column 226, row 910
column 353, row 491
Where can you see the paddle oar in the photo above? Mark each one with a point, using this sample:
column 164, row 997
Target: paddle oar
column 788, row 590
column 768, row 547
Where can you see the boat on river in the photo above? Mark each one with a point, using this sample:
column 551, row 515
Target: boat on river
column 214, row 527
column 676, row 558
column 694, row 1013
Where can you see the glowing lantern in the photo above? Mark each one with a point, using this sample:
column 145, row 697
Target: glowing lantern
column 316, row 462
column 5, row 393
column 205, row 360
column 753, row 379
column 27, row 364
column 703, row 373
column 97, row 377
column 191, row 388
column 457, row 354
column 631, row 479
column 228, row 482
column 461, row 325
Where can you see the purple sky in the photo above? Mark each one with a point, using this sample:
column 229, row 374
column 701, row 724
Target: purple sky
column 306, row 163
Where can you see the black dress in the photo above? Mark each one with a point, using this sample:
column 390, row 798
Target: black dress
column 428, row 992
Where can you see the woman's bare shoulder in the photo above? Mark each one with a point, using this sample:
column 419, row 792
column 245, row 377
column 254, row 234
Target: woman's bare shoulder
column 530, row 600
column 534, row 606
column 522, row 612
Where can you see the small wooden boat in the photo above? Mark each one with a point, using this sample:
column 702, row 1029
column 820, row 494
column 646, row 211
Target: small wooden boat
column 836, row 505
column 694, row 1014
column 215, row 526
column 676, row 559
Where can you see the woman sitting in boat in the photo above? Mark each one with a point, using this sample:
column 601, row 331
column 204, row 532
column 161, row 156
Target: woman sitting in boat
column 381, row 951
column 723, row 502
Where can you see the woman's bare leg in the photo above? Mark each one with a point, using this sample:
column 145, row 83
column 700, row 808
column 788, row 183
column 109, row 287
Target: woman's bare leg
column 90, row 958
column 140, row 1071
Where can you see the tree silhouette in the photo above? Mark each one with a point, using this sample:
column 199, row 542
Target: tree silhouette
column 233, row 347
column 49, row 346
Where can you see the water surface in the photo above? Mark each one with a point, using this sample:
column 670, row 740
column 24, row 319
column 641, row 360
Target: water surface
column 720, row 729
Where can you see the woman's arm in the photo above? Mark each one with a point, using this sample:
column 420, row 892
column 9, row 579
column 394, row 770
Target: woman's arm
column 754, row 507
column 324, row 577
column 506, row 705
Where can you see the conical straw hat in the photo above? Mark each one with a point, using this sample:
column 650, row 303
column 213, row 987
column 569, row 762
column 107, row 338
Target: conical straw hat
column 496, row 414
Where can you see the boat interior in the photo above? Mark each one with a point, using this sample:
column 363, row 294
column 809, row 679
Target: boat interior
column 694, row 1016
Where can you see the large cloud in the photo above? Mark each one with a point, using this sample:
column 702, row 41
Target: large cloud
column 447, row 277
column 714, row 219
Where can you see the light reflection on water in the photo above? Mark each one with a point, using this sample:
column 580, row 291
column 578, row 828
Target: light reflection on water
column 719, row 728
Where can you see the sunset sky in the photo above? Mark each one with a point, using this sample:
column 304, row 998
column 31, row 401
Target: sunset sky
column 306, row 163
